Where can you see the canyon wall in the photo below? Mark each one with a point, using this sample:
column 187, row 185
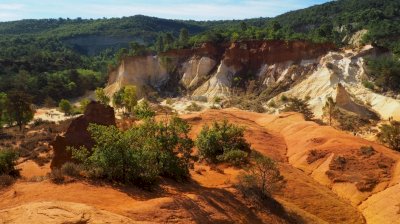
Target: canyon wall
column 214, row 69
column 294, row 69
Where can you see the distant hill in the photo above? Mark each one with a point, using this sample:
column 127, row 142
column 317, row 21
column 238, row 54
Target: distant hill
column 50, row 48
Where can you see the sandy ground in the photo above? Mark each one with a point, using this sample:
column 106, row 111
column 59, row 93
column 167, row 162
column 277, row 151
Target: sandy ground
column 50, row 114
column 210, row 197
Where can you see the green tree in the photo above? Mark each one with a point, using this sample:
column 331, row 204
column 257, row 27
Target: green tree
column 215, row 143
column 168, row 41
column 141, row 154
column 159, row 45
column 130, row 98
column 19, row 108
column 137, row 49
column 262, row 178
column 386, row 71
column 184, row 37
column 118, row 99
column 300, row 106
column 243, row 26
column 3, row 105
column 83, row 105
column 8, row 159
column 101, row 96
column 65, row 106
column 143, row 110
column 330, row 109
column 390, row 134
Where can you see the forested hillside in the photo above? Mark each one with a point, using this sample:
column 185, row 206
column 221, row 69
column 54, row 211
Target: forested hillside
column 54, row 52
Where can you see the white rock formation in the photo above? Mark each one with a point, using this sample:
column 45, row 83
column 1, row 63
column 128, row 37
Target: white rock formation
column 196, row 70
column 348, row 70
column 219, row 85
column 139, row 71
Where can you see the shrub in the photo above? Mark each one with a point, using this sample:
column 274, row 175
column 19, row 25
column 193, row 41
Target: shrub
column 368, row 84
column 6, row 180
column 262, row 178
column 56, row 176
column 143, row 110
column 214, row 143
column 139, row 155
column 367, row 151
column 235, row 157
column 170, row 101
column 101, row 96
column 272, row 104
column 193, row 107
column 349, row 122
column 284, row 98
column 83, row 104
column 65, row 107
column 8, row 159
column 386, row 72
column 71, row 169
column 217, row 99
column 390, row 134
column 300, row 106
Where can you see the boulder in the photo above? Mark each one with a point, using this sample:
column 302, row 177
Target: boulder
column 77, row 134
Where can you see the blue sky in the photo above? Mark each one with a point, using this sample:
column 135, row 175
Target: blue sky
column 172, row 9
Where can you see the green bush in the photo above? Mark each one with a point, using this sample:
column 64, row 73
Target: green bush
column 6, row 180
column 71, row 169
column 215, row 142
column 300, row 106
column 143, row 110
column 193, row 107
column 386, row 72
column 65, row 107
column 8, row 158
column 390, row 134
column 284, row 98
column 262, row 178
column 235, row 157
column 369, row 85
column 272, row 104
column 139, row 155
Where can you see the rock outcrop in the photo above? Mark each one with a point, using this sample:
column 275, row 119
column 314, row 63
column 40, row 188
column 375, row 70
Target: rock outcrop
column 141, row 71
column 213, row 69
column 77, row 134
column 340, row 75
column 345, row 101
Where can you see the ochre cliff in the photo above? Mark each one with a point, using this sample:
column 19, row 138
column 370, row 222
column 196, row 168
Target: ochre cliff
column 213, row 69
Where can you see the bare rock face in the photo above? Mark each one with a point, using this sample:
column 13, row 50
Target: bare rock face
column 59, row 212
column 344, row 100
column 77, row 134
column 210, row 70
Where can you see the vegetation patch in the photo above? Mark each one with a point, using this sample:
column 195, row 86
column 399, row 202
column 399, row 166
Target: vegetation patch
column 315, row 155
column 300, row 106
column 390, row 134
column 140, row 154
column 193, row 107
column 223, row 142
column 261, row 179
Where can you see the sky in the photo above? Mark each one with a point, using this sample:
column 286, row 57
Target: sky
column 172, row 9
